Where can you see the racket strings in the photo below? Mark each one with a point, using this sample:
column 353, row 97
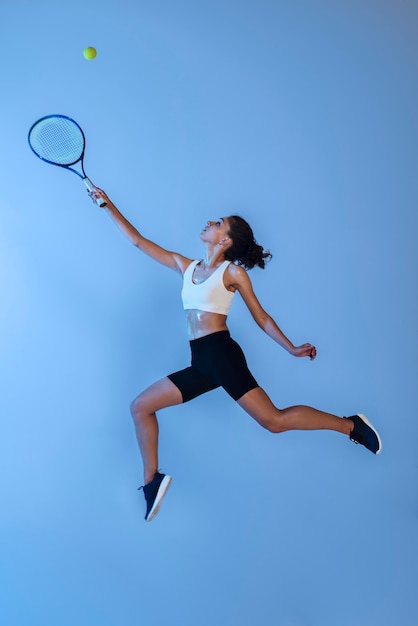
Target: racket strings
column 57, row 140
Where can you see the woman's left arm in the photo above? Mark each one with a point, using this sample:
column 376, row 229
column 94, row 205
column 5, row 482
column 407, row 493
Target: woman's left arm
column 242, row 283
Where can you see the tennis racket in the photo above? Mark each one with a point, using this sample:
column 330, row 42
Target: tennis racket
column 59, row 140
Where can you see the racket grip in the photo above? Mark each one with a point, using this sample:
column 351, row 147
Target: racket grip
column 100, row 200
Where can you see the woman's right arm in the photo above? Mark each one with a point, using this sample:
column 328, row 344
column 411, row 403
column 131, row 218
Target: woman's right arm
column 173, row 260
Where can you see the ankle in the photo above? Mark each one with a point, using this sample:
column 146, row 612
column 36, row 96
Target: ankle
column 149, row 477
column 349, row 425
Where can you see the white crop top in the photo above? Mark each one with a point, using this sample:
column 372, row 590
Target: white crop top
column 211, row 295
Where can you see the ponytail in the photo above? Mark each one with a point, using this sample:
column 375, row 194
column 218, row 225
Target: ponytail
column 245, row 250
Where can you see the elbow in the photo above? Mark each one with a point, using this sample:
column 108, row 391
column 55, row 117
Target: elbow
column 263, row 319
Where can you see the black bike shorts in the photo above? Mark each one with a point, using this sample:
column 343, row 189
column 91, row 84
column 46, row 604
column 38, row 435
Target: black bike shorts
column 217, row 361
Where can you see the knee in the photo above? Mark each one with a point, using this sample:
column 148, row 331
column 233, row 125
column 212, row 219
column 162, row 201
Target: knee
column 277, row 423
column 273, row 427
column 137, row 408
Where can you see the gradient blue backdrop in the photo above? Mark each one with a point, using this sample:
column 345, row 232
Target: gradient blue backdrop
column 301, row 116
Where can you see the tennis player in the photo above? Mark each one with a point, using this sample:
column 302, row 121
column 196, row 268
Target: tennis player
column 209, row 286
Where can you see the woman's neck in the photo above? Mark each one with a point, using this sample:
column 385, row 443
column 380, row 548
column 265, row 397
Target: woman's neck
column 212, row 258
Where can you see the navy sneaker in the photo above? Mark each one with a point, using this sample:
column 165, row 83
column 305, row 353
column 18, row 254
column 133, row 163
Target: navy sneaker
column 365, row 434
column 154, row 492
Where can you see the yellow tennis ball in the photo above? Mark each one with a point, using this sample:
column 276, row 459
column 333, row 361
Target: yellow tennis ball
column 89, row 53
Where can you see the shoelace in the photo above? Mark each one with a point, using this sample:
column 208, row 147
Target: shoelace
column 142, row 486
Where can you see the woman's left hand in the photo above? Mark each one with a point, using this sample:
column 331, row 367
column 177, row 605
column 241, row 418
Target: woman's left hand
column 307, row 349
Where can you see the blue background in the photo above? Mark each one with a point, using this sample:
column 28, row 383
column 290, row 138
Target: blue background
column 301, row 117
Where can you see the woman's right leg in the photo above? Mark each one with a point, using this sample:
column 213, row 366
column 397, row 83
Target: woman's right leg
column 158, row 396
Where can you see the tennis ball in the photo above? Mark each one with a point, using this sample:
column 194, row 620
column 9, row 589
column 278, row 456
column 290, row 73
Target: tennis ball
column 89, row 53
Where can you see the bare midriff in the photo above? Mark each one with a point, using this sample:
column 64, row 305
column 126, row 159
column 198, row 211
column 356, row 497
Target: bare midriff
column 201, row 323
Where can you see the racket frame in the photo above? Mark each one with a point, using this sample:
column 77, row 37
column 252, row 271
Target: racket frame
column 88, row 183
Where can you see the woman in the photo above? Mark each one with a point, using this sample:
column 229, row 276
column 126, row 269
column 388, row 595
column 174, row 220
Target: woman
column 209, row 285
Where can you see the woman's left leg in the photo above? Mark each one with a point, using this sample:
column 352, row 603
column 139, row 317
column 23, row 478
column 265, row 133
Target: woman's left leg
column 257, row 404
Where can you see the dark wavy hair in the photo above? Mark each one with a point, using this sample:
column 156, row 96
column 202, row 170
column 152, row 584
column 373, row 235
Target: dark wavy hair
column 244, row 250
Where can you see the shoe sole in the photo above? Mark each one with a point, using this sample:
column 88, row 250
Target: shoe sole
column 165, row 483
column 366, row 421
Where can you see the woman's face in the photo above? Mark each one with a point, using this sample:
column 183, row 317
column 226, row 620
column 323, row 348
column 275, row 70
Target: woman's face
column 215, row 231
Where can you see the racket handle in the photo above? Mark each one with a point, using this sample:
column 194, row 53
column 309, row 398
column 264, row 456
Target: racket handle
column 100, row 200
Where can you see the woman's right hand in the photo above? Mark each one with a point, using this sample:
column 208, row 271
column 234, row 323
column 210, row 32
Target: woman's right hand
column 99, row 193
